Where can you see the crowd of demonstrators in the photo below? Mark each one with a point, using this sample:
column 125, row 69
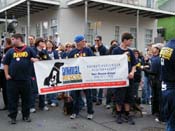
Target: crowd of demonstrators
column 20, row 83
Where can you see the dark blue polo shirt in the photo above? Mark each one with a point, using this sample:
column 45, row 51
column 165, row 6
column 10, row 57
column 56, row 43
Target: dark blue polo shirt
column 41, row 55
column 131, row 57
column 156, row 66
column 19, row 61
column 167, row 55
column 75, row 53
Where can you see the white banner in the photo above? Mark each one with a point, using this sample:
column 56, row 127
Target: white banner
column 81, row 73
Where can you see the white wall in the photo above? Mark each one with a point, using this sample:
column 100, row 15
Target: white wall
column 108, row 21
column 36, row 18
column 71, row 23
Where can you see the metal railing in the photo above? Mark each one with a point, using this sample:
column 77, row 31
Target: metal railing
column 5, row 3
column 143, row 3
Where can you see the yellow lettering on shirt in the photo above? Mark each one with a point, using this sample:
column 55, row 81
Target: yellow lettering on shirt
column 129, row 58
column 79, row 55
column 20, row 54
column 166, row 53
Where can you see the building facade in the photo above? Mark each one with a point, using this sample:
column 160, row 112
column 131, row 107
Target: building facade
column 108, row 18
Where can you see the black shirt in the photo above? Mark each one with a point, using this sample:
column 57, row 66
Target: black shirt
column 167, row 55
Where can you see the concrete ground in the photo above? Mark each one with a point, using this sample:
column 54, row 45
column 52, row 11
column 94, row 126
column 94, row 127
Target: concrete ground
column 55, row 120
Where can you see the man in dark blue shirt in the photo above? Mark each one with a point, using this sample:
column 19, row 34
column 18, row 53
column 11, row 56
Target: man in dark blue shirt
column 167, row 55
column 124, row 96
column 99, row 50
column 16, row 68
column 154, row 76
column 155, row 80
column 81, row 51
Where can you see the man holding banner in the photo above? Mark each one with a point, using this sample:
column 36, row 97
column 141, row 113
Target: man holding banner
column 81, row 51
column 124, row 95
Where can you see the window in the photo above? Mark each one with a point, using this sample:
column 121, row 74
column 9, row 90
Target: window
column 150, row 3
column 133, row 31
column 90, row 33
column 45, row 27
column 148, row 36
column 23, row 30
column 117, row 33
column 38, row 31
column 53, row 26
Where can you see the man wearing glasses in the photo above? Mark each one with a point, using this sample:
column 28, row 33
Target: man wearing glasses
column 99, row 50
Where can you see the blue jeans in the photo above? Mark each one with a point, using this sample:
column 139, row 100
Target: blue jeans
column 52, row 98
column 168, row 108
column 97, row 96
column 34, row 94
column 146, row 93
column 76, row 95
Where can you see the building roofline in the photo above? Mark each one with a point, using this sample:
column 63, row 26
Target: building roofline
column 72, row 2
column 17, row 9
column 52, row 2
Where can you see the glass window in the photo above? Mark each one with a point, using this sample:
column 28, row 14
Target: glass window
column 45, row 28
column 133, row 31
column 148, row 36
column 90, row 33
column 117, row 33
column 53, row 26
column 23, row 30
column 150, row 3
column 38, row 31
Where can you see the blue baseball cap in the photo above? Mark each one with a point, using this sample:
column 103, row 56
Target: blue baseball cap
column 79, row 38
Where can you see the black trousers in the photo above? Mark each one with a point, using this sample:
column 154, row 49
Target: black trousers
column 156, row 97
column 15, row 90
column 3, row 84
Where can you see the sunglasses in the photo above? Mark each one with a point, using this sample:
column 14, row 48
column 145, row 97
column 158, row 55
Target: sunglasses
column 97, row 40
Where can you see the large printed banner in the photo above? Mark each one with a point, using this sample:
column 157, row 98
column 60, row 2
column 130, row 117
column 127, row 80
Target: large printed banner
column 81, row 73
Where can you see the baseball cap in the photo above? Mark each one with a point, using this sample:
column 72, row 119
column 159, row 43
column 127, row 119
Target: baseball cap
column 78, row 38
column 158, row 45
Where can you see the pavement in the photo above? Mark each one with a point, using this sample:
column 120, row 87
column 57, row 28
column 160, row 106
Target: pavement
column 55, row 120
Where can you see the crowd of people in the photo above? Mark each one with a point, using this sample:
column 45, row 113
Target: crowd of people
column 18, row 78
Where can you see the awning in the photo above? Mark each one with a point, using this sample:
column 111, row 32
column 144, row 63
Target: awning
column 19, row 8
column 129, row 9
